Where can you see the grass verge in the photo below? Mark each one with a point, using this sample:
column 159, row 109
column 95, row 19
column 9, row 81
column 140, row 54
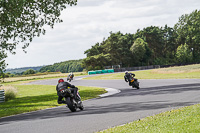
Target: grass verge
column 41, row 77
column 182, row 120
column 38, row 97
column 183, row 72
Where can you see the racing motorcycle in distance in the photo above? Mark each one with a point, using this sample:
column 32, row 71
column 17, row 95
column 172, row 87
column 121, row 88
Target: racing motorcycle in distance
column 69, row 99
column 70, row 78
column 134, row 83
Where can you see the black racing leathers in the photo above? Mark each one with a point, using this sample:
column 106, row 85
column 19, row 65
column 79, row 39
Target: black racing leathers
column 66, row 85
column 70, row 75
column 128, row 77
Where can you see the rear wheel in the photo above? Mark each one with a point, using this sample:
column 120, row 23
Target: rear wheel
column 71, row 104
column 136, row 84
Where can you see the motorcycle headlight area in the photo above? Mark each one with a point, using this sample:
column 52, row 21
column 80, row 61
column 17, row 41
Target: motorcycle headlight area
column 62, row 90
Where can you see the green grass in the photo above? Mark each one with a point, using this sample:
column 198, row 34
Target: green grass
column 38, row 97
column 187, row 119
column 183, row 72
column 183, row 120
column 41, row 77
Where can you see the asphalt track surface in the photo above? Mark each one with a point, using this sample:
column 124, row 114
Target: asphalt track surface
column 155, row 96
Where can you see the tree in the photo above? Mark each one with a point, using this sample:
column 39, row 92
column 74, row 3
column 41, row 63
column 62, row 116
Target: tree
column 114, row 50
column 95, row 50
column 29, row 71
column 118, row 45
column 2, row 62
column 22, row 20
column 183, row 54
column 153, row 36
column 96, row 62
column 138, row 50
column 187, row 29
column 64, row 67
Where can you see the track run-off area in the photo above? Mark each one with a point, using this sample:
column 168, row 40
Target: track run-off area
column 122, row 104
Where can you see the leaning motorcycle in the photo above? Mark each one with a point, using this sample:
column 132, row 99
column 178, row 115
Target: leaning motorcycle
column 70, row 78
column 69, row 99
column 134, row 83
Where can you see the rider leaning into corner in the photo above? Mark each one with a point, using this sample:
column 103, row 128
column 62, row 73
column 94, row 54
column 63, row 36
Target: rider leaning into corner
column 71, row 74
column 74, row 90
column 128, row 77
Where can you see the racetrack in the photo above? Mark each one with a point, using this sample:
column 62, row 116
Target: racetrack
column 155, row 96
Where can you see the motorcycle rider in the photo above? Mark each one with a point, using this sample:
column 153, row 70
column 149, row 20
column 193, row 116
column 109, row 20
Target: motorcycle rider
column 74, row 90
column 70, row 75
column 128, row 77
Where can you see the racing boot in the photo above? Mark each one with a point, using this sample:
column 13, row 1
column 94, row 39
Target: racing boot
column 78, row 99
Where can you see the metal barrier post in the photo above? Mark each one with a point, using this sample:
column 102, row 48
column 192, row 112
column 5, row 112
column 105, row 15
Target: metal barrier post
column 2, row 96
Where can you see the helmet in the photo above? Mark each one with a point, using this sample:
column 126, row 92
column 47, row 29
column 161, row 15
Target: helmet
column 126, row 72
column 60, row 80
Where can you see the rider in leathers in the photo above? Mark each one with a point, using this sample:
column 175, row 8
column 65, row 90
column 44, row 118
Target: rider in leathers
column 70, row 75
column 67, row 85
column 128, row 77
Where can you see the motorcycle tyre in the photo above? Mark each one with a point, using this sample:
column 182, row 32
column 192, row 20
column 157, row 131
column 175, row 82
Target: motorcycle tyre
column 137, row 85
column 71, row 105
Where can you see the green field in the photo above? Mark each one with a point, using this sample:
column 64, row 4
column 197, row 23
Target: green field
column 41, row 76
column 37, row 97
column 183, row 120
column 189, row 71
column 187, row 119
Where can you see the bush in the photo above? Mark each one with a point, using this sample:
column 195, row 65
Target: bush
column 10, row 92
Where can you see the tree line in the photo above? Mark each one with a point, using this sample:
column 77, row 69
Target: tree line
column 64, row 67
column 21, row 21
column 150, row 46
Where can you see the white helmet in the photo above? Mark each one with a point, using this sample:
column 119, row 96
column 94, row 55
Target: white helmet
column 126, row 72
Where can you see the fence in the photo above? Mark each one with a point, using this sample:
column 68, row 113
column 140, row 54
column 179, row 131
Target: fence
column 2, row 96
column 101, row 71
column 136, row 68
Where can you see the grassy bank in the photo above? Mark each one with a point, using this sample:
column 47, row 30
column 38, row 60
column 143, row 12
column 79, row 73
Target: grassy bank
column 40, row 77
column 36, row 97
column 183, row 120
column 186, row 119
column 182, row 72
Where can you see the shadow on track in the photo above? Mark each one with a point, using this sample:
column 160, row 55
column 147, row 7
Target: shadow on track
column 130, row 106
column 171, row 89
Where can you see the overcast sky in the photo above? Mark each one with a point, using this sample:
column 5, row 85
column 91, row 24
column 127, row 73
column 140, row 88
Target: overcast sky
column 90, row 21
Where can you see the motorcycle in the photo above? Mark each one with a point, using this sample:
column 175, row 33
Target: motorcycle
column 69, row 99
column 70, row 78
column 134, row 83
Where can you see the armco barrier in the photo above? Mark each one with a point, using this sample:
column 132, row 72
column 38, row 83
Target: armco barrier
column 105, row 71
column 110, row 70
column 91, row 72
column 98, row 71
column 101, row 71
column 136, row 68
column 2, row 96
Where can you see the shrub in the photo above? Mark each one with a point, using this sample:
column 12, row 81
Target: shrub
column 10, row 92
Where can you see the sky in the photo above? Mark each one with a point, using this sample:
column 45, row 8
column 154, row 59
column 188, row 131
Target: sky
column 92, row 20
